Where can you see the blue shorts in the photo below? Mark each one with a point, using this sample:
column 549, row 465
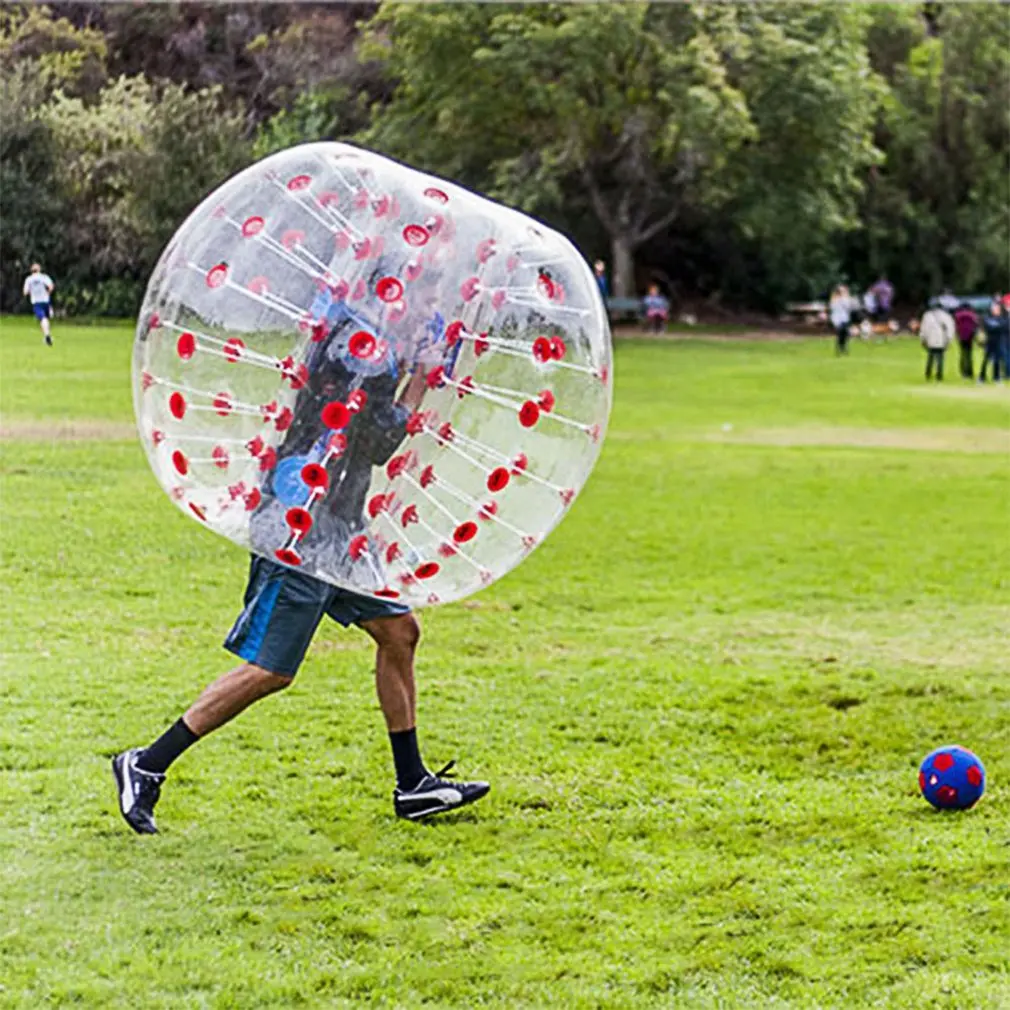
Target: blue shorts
column 282, row 610
column 42, row 310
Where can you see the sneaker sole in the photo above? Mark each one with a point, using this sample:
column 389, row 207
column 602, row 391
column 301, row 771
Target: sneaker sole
column 117, row 774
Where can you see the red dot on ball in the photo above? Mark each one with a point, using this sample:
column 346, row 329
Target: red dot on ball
column 974, row 775
column 427, row 570
column 177, row 405
column 497, row 478
column 288, row 556
column 335, row 415
column 180, row 462
column 361, row 344
column 200, row 513
column 389, row 289
column 464, row 532
column 529, row 414
column 186, row 345
column 315, row 476
column 943, row 762
column 299, row 519
column 415, row 235
column 542, row 349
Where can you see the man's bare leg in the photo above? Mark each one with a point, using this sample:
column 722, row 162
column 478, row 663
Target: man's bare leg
column 230, row 694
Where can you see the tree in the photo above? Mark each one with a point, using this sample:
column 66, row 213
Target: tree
column 629, row 102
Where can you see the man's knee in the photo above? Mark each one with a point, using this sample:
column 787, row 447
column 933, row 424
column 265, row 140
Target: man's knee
column 265, row 681
column 401, row 632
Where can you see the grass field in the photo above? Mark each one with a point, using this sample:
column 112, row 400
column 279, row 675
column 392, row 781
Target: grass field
column 701, row 705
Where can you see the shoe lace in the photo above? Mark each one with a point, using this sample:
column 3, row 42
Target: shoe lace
column 446, row 772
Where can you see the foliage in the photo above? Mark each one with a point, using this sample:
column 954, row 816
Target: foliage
column 701, row 705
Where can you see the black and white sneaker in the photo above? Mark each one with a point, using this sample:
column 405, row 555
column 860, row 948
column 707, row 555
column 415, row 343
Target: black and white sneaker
column 138, row 791
column 435, row 795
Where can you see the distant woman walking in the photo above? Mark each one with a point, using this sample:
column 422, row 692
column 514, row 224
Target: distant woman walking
column 840, row 313
column 997, row 335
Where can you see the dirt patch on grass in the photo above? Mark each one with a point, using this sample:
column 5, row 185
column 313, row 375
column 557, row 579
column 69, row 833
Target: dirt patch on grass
column 67, row 431
column 972, row 440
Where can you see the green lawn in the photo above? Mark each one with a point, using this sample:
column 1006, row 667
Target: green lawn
column 701, row 705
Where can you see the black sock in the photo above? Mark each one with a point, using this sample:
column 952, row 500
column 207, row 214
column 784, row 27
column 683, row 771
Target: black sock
column 407, row 758
column 166, row 748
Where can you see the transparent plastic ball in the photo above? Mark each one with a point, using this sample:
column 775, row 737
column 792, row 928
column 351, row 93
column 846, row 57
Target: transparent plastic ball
column 371, row 375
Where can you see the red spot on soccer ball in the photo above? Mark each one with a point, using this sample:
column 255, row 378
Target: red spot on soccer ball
column 292, row 237
column 389, row 289
column 446, row 550
column 497, row 479
column 233, row 348
column 567, row 494
column 593, row 431
column 408, row 516
column 396, row 312
column 378, row 503
column 255, row 445
column 287, row 556
column 397, row 465
column 435, row 378
column 558, row 348
column 453, row 332
column 413, row 270
column 154, row 322
column 177, row 493
column 499, row 298
column 362, row 250
column 488, row 511
column 198, row 511
column 481, row 344
column 974, row 775
column 469, row 288
column 392, row 552
column 438, row 195
column 220, row 457
column 252, row 499
column 445, row 432
column 427, row 570
column 299, row 519
column 186, row 346
column 180, row 462
column 361, row 344
column 387, row 594
column 542, row 349
column 299, row 182
column 337, row 444
column 604, row 374
column 943, row 762
column 252, row 226
column 315, row 476
column 464, row 532
column 485, row 250
column 361, row 199
column 529, row 414
column 546, row 401
column 465, row 386
column 415, row 423
column 222, row 404
column 217, row 275
column 922, row 781
column 342, row 240
column 177, row 405
column 529, row 543
column 283, row 420
column 319, row 331
column 427, row 476
column 415, row 235
column 268, row 460
column 545, row 286
column 157, row 436
column 360, row 289
column 356, row 401
column 335, row 415
column 146, row 380
column 520, row 463
column 328, row 198
column 946, row 796
column 357, row 546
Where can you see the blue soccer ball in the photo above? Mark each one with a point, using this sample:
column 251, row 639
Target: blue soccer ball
column 951, row 778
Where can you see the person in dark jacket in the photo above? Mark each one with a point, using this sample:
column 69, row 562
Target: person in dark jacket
column 966, row 324
column 996, row 324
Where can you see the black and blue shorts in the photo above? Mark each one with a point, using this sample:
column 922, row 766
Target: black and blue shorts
column 42, row 310
column 282, row 610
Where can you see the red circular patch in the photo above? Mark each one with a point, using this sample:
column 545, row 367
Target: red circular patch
column 358, row 546
column 427, row 570
column 469, row 288
column 299, row 519
column 361, row 344
column 546, row 401
column 408, row 516
column 436, row 194
column 252, row 226
column 427, row 475
column 464, row 532
column 378, row 503
column 946, row 796
column 943, row 762
column 415, row 235
column 335, row 415
column 292, row 237
column 542, row 349
column 186, row 346
column 259, row 285
column 180, row 462
column 299, row 182
column 557, row 348
column 288, row 556
column 233, row 348
column 220, row 457
column 922, row 781
column 974, row 775
column 177, row 405
column 497, row 479
column 387, row 593
column 389, row 289
column 252, row 499
column 200, row 513
column 315, row 476
column 529, row 414
column 222, row 404
column 216, row 276
column 357, row 400
column 487, row 511
column 545, row 286
column 392, row 552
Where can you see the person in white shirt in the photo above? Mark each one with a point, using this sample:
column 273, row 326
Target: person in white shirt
column 936, row 331
column 38, row 287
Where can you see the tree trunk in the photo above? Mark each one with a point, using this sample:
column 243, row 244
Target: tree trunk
column 623, row 266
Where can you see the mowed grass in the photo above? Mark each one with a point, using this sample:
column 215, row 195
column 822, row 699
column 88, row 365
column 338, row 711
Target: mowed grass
column 701, row 704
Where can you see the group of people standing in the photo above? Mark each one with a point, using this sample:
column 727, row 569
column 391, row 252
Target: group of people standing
column 950, row 320
column 845, row 310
